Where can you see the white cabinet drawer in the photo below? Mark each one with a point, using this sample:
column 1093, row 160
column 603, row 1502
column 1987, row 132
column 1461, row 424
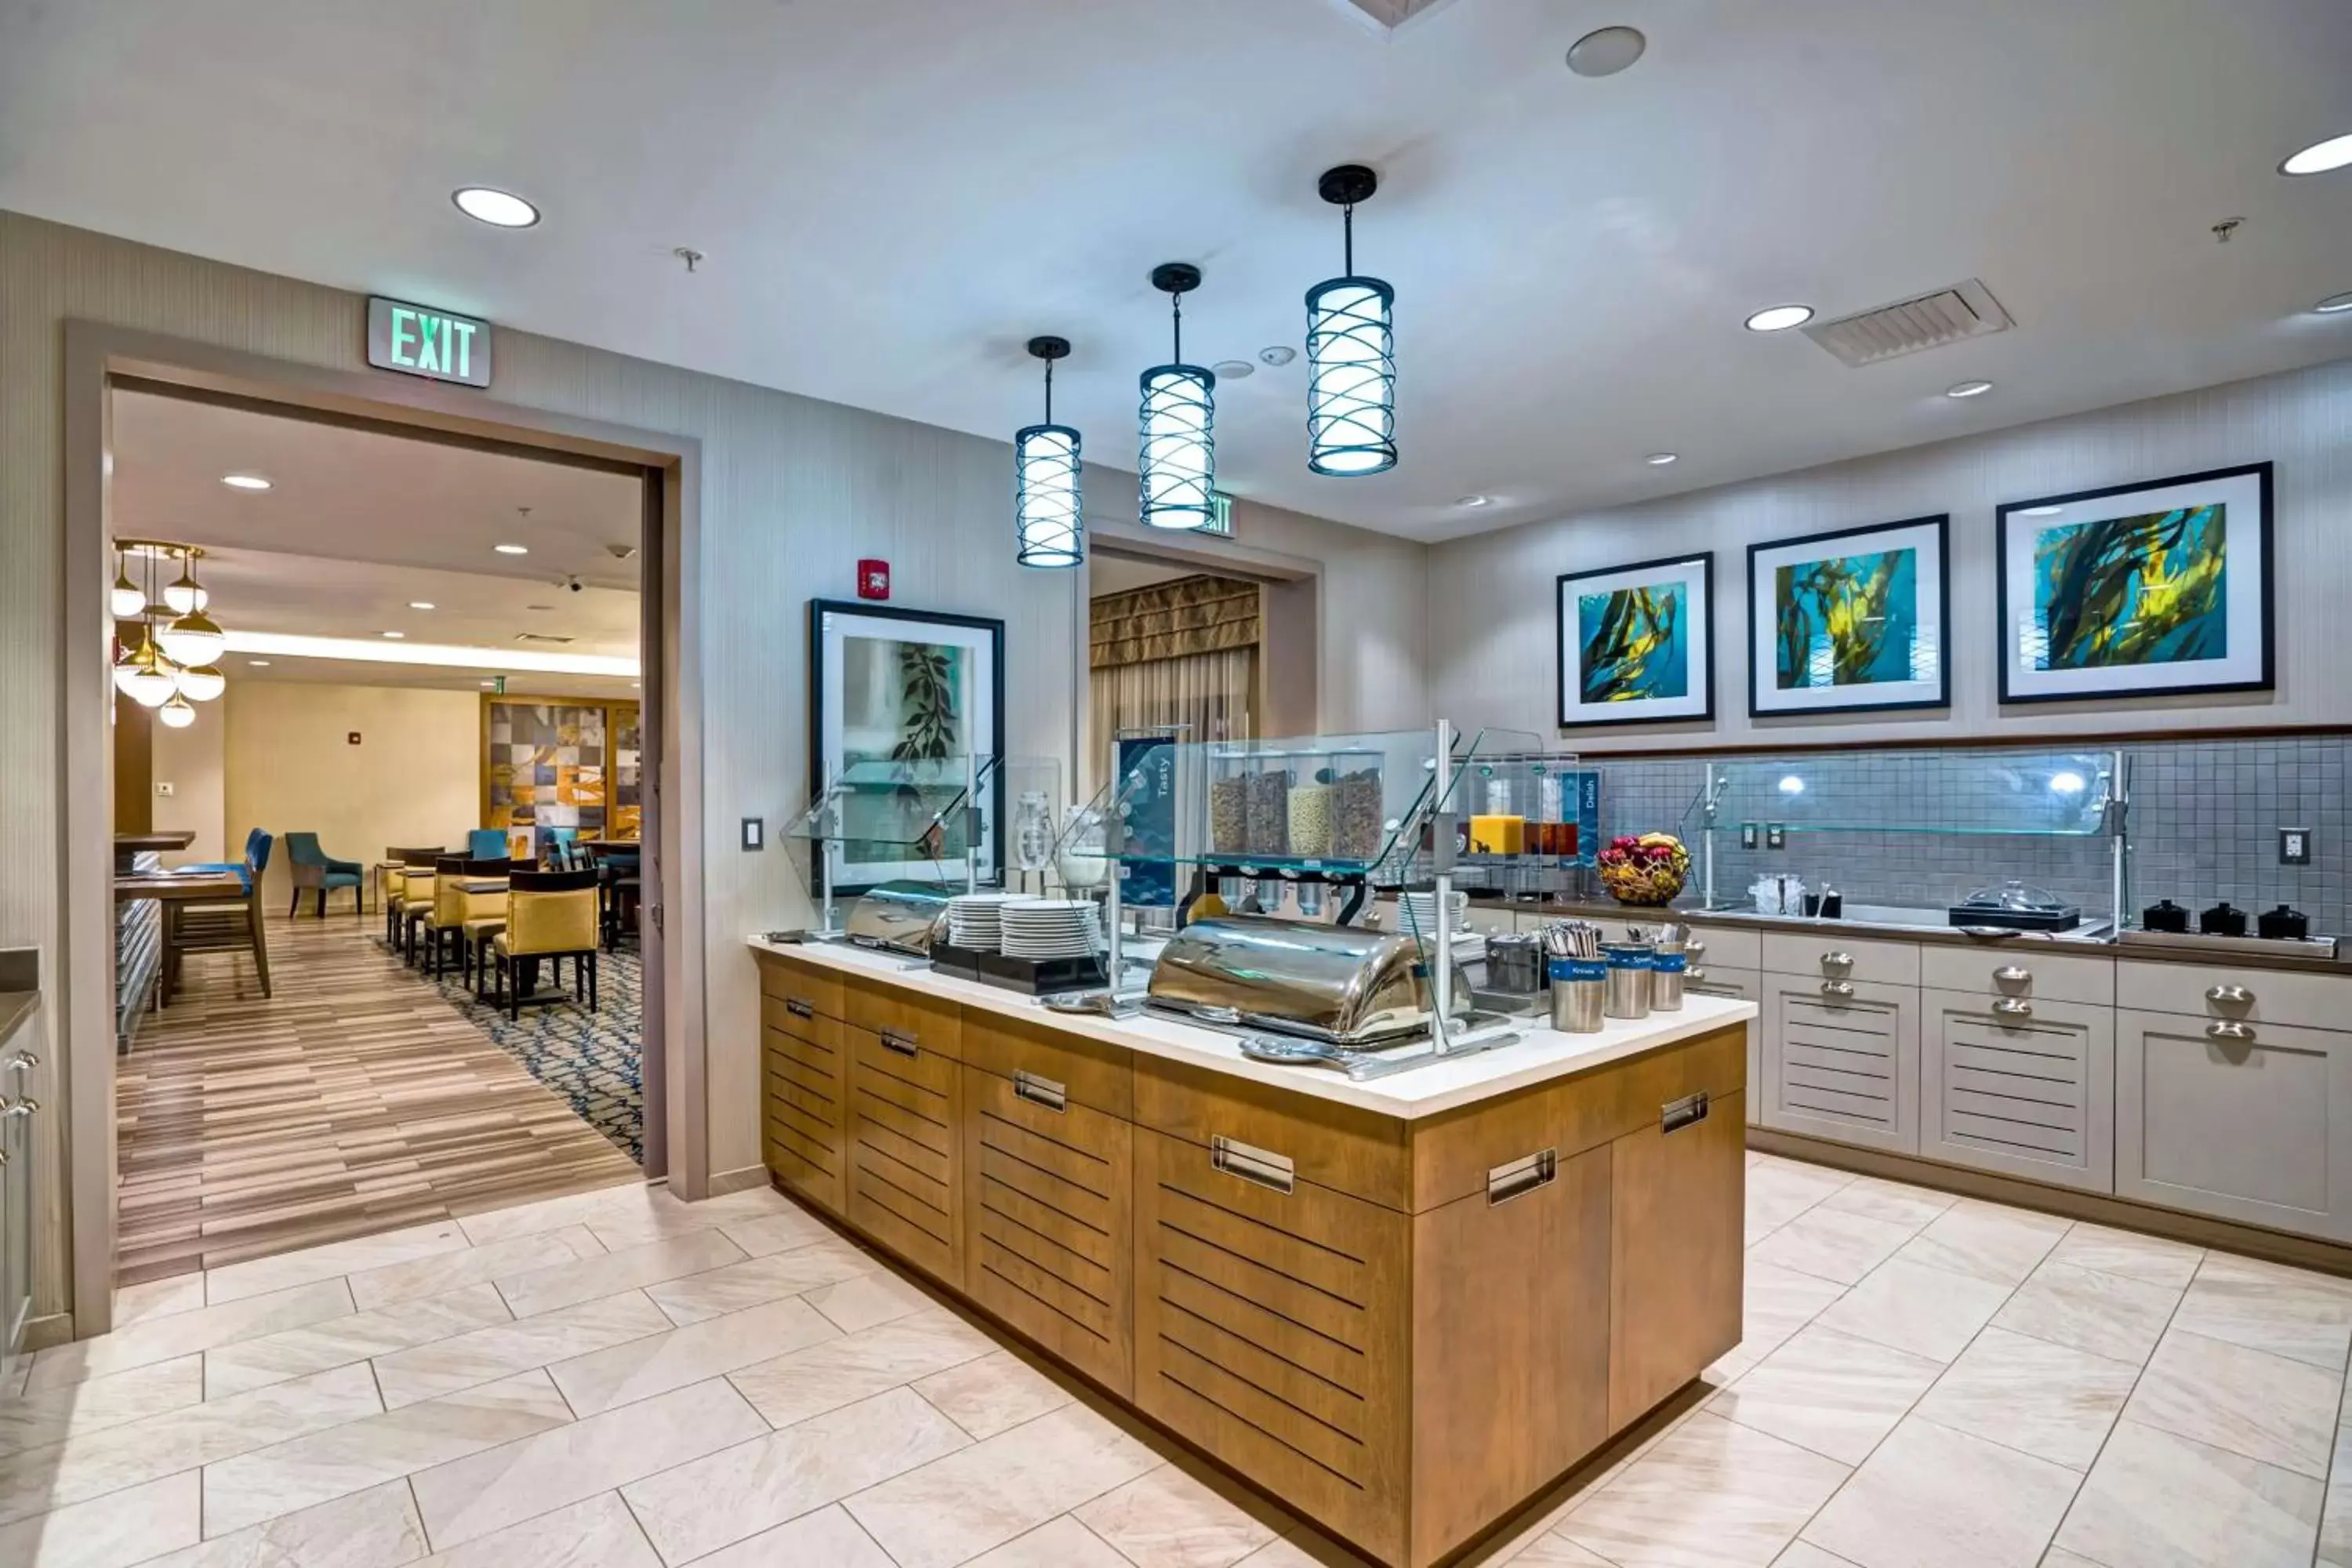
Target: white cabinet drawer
column 2248, row 995
column 1727, row 947
column 2017, row 969
column 1842, row 1060
column 2254, row 1123
column 1837, row 956
column 2023, row 1085
column 1712, row 980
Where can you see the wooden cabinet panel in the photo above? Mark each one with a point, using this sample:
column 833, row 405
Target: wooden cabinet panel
column 905, row 1161
column 1049, row 1243
column 786, row 980
column 2027, row 970
column 1842, row 1060
column 2019, row 1085
column 1818, row 956
column 1086, row 1072
column 1271, row 1328
column 1510, row 1343
column 1358, row 1152
column 2250, row 1122
column 804, row 1110
column 1678, row 1191
column 904, row 1015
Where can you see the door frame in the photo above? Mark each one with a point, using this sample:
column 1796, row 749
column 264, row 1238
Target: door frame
column 97, row 356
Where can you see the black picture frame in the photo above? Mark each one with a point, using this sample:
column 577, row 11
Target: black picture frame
column 1563, row 649
column 2265, row 591
column 818, row 709
column 1942, row 523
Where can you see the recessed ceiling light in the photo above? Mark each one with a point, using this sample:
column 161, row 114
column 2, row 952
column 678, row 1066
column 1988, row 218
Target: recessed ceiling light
column 2334, row 304
column 395, row 636
column 489, row 683
column 258, row 663
column 1277, row 356
column 1606, row 52
column 1660, row 459
column 245, row 481
column 2320, row 157
column 1779, row 317
column 1233, row 369
column 511, row 549
column 1968, row 389
column 1474, row 501
column 499, row 209
column 420, row 603
column 2041, row 511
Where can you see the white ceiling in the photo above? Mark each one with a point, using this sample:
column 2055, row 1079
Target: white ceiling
column 358, row 525
column 892, row 195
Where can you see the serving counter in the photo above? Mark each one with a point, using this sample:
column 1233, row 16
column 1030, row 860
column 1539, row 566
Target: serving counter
column 1401, row 1307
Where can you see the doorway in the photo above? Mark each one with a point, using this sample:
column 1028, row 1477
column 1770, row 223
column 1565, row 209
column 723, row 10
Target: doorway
column 253, row 581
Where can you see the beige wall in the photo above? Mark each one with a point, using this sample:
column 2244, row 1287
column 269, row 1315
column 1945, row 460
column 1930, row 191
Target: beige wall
column 191, row 762
column 792, row 492
column 414, row 778
column 1491, row 598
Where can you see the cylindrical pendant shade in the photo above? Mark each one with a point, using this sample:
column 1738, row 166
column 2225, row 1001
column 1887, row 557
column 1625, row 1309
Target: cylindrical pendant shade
column 1350, row 376
column 1178, row 467
column 1045, row 510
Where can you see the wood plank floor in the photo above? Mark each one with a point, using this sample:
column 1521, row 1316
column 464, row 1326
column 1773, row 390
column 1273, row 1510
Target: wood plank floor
column 357, row 1100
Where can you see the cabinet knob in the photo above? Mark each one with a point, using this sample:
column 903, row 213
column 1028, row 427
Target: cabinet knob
column 2229, row 996
column 1693, row 948
column 1694, row 976
column 2014, row 1007
column 1837, row 987
column 2012, row 975
column 1837, row 964
column 23, row 1108
column 22, row 1061
column 2241, row 1034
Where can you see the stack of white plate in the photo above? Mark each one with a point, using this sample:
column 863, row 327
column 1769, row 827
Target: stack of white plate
column 1419, row 915
column 1044, row 929
column 973, row 920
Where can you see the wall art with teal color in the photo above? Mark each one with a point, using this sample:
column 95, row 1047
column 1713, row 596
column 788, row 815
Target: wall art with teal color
column 1850, row 621
column 1636, row 643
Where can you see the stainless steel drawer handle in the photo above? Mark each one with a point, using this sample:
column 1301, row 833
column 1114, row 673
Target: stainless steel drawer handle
column 1039, row 1090
column 1520, row 1177
column 1694, row 976
column 1694, row 949
column 2014, row 1007
column 2230, row 995
column 1837, row 987
column 2012, row 975
column 1837, row 961
column 2241, row 1033
column 1688, row 1111
column 1260, row 1167
column 799, row 1008
column 898, row 1041
column 24, row 1108
column 22, row 1061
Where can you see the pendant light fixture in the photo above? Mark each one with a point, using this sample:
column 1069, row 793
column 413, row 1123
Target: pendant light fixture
column 126, row 599
column 1045, row 513
column 151, row 683
column 176, row 714
column 193, row 638
column 1350, row 351
column 1177, row 466
column 187, row 596
column 201, row 682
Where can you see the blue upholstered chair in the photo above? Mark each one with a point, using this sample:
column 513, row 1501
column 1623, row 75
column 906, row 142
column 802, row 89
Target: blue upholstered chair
column 227, row 927
column 486, row 843
column 256, row 843
column 558, row 848
column 315, row 871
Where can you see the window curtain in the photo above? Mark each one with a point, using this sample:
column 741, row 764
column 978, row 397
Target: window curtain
column 1174, row 653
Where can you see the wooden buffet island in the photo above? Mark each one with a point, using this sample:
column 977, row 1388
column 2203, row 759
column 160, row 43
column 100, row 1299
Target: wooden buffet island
column 1402, row 1308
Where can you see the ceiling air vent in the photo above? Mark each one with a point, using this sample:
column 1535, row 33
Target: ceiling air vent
column 1964, row 311
column 541, row 638
column 1387, row 15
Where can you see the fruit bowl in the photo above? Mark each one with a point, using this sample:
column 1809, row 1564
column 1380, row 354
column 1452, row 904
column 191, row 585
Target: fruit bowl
column 1647, row 872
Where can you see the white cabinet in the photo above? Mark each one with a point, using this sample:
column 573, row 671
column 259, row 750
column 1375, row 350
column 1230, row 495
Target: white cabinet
column 1840, row 1059
column 1711, row 979
column 2023, row 1085
column 2249, row 1121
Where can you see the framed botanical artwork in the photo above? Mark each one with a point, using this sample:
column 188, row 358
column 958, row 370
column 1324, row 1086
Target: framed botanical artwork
column 900, row 704
column 2144, row 589
column 1636, row 643
column 1850, row 622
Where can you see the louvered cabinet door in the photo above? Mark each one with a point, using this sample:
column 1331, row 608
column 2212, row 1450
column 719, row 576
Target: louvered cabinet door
column 2019, row 1085
column 1271, row 1328
column 1049, row 1245
column 1842, row 1060
column 803, row 1111
column 903, row 1158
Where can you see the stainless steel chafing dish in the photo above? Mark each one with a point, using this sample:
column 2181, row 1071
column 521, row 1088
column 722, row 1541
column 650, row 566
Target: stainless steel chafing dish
column 1336, row 984
column 901, row 916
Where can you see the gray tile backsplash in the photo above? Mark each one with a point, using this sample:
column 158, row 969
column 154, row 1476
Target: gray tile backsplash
column 2205, row 819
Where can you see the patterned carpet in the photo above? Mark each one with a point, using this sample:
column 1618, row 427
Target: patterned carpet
column 592, row 1059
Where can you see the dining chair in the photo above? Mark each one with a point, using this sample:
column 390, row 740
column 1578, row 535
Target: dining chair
column 550, row 915
column 397, row 862
column 487, row 844
column 469, row 895
column 559, row 849
column 417, row 886
column 228, row 926
column 315, row 871
column 620, row 890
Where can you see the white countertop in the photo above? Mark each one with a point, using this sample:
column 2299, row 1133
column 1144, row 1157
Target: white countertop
column 1544, row 1053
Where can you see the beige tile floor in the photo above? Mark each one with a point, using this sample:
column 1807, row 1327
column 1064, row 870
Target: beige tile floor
column 616, row 1379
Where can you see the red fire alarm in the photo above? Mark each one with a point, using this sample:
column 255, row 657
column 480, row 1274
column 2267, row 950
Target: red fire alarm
column 873, row 579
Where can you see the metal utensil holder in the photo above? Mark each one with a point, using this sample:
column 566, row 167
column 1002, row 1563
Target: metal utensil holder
column 1577, row 988
column 1625, row 993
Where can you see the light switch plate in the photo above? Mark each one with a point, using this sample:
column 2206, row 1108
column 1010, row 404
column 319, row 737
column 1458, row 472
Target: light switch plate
column 163, row 787
column 2294, row 845
column 1776, row 837
column 755, row 833
column 1747, row 835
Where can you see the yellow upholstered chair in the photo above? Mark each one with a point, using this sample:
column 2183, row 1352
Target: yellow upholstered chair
column 550, row 915
column 397, row 897
column 469, row 898
column 416, row 902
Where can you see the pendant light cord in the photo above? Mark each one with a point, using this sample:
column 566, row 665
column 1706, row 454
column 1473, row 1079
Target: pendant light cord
column 1049, row 392
column 1176, row 306
column 1347, row 226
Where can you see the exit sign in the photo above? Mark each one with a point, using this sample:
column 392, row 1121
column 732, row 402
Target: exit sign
column 1221, row 515
column 417, row 341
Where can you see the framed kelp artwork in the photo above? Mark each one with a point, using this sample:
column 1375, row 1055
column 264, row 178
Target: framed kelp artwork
column 1636, row 643
column 1852, row 621
column 2144, row 589
column 902, row 702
